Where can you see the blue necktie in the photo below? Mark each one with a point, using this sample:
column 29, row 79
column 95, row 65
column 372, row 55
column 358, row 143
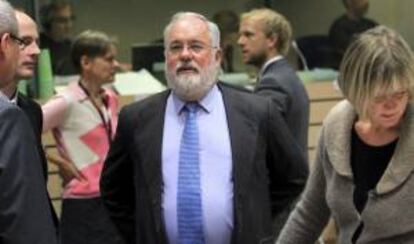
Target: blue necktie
column 189, row 210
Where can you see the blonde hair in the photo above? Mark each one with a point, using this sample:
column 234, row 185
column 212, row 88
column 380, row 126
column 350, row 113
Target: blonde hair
column 378, row 60
column 273, row 23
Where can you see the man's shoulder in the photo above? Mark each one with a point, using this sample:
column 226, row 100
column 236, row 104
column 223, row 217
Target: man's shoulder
column 6, row 106
column 149, row 103
column 10, row 112
column 282, row 71
column 281, row 63
column 29, row 106
column 234, row 90
column 242, row 97
column 340, row 21
column 369, row 23
column 23, row 101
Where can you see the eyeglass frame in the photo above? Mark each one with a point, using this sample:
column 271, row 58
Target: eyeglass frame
column 22, row 43
column 394, row 96
column 177, row 48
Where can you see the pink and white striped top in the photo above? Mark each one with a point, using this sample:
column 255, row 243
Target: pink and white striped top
column 80, row 134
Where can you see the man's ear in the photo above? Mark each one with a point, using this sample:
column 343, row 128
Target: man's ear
column 85, row 62
column 219, row 55
column 4, row 44
column 272, row 40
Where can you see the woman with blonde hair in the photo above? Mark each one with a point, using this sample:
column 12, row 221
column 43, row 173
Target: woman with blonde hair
column 363, row 172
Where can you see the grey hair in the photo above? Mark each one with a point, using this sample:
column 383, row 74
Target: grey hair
column 378, row 60
column 8, row 21
column 212, row 27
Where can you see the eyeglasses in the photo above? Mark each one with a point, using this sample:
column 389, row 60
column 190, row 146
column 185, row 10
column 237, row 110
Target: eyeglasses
column 395, row 96
column 195, row 48
column 22, row 43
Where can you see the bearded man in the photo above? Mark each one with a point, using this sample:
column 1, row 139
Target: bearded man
column 201, row 162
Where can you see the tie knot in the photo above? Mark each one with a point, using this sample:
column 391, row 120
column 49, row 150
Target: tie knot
column 192, row 107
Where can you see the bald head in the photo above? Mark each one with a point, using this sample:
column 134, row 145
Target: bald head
column 28, row 56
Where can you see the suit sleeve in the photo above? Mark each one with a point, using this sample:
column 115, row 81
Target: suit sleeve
column 287, row 166
column 311, row 214
column 117, row 183
column 24, row 208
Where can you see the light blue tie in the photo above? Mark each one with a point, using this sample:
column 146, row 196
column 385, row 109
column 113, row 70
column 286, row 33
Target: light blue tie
column 189, row 209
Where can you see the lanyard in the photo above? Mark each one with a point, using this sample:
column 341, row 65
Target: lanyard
column 107, row 124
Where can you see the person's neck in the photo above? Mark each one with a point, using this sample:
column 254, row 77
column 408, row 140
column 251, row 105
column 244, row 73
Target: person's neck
column 268, row 56
column 9, row 90
column 353, row 16
column 374, row 135
column 93, row 87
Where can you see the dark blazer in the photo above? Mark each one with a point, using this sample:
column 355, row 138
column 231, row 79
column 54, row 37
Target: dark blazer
column 280, row 82
column 24, row 208
column 34, row 112
column 131, row 183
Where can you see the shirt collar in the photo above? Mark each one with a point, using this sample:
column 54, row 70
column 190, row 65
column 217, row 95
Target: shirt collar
column 270, row 61
column 13, row 99
column 206, row 103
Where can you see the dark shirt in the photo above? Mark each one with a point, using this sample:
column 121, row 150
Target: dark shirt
column 59, row 55
column 344, row 29
column 368, row 165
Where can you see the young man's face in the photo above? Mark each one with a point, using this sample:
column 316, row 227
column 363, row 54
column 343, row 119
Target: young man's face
column 253, row 42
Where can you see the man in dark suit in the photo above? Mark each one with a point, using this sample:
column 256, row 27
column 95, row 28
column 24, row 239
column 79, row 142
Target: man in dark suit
column 29, row 53
column 24, row 209
column 26, row 70
column 264, row 38
column 201, row 162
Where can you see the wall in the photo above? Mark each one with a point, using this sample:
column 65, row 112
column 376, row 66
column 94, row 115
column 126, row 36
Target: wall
column 309, row 16
column 315, row 16
column 134, row 21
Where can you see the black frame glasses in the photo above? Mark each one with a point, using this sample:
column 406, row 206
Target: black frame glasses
column 19, row 41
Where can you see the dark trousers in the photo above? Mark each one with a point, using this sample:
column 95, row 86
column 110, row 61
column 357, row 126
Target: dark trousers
column 85, row 221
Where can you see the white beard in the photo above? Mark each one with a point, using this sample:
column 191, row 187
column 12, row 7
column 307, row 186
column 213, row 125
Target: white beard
column 192, row 87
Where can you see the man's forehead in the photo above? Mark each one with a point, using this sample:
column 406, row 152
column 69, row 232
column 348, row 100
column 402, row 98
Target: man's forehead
column 189, row 29
column 24, row 21
column 28, row 29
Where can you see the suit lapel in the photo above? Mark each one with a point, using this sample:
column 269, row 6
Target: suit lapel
column 243, row 135
column 149, row 139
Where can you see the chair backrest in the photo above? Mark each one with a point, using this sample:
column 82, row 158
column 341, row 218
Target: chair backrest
column 317, row 51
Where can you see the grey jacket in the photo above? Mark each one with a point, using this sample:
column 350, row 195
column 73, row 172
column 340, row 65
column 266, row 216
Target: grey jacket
column 388, row 216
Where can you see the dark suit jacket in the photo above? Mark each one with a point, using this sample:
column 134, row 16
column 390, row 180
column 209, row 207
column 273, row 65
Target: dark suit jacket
column 34, row 113
column 131, row 183
column 280, row 82
column 24, row 208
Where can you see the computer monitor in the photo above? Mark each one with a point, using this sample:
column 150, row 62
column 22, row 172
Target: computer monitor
column 149, row 56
